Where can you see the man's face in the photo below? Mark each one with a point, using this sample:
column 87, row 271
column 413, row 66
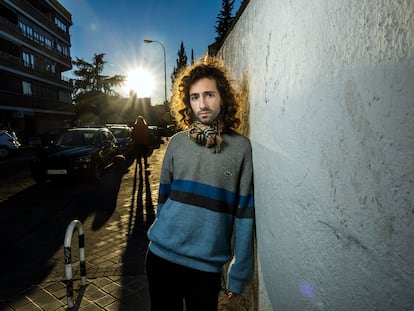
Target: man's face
column 205, row 100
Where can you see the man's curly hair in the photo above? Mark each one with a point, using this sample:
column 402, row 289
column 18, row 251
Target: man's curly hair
column 212, row 68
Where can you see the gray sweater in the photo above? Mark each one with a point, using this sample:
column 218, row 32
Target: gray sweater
column 204, row 197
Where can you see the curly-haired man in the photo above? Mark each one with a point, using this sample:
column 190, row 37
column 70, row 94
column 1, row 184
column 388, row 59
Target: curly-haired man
column 205, row 195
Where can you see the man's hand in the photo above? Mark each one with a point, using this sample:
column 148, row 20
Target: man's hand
column 230, row 295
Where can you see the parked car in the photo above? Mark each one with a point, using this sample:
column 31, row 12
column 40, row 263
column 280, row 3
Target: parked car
column 49, row 137
column 77, row 152
column 123, row 134
column 169, row 130
column 9, row 143
column 156, row 139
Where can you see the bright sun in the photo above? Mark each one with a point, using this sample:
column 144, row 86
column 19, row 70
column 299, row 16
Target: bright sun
column 141, row 81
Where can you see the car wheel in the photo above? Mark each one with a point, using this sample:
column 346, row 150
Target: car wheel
column 4, row 152
column 97, row 171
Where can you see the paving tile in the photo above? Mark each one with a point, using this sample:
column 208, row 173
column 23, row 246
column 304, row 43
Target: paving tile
column 111, row 288
column 28, row 307
column 105, row 301
column 18, row 302
column 115, row 306
column 91, row 307
column 57, row 289
column 94, row 294
column 101, row 282
column 54, row 305
column 40, row 297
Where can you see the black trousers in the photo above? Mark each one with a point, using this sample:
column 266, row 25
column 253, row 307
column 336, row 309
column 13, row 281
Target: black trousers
column 172, row 285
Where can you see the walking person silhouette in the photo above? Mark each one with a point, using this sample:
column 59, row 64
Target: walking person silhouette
column 141, row 139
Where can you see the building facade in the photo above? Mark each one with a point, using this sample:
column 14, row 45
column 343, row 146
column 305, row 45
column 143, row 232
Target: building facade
column 34, row 52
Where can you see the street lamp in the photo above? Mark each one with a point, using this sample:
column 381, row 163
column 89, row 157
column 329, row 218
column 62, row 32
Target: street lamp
column 165, row 66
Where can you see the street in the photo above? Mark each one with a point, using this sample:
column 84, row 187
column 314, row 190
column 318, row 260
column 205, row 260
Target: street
column 15, row 173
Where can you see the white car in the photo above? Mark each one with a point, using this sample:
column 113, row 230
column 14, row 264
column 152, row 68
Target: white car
column 8, row 143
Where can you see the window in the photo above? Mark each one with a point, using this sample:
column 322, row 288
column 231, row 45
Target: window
column 59, row 48
column 62, row 49
column 29, row 32
column 60, row 24
column 26, row 31
column 41, row 40
column 28, row 60
column 27, row 88
column 22, row 28
column 51, row 68
column 48, row 43
column 65, row 50
column 36, row 37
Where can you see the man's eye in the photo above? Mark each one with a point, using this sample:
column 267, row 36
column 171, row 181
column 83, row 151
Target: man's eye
column 193, row 97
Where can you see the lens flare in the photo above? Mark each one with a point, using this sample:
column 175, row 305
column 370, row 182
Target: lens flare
column 141, row 81
column 306, row 290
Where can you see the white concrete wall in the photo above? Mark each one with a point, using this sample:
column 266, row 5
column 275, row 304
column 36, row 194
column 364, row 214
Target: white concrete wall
column 331, row 89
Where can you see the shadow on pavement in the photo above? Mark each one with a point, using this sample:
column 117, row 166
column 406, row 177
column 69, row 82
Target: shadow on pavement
column 33, row 223
column 141, row 216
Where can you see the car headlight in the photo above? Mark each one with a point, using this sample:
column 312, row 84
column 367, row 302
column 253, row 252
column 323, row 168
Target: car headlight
column 84, row 159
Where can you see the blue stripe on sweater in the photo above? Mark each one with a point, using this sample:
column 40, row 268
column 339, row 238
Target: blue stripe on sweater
column 246, row 201
column 202, row 190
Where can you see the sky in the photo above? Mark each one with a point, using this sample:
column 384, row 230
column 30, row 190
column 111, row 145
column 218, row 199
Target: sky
column 118, row 29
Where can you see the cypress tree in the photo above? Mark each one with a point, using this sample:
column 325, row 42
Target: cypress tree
column 181, row 63
column 224, row 19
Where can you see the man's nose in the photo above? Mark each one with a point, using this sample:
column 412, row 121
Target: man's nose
column 202, row 103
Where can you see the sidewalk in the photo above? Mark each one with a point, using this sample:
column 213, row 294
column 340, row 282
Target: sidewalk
column 115, row 256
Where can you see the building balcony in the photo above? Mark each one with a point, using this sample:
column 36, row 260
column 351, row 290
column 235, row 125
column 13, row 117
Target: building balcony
column 14, row 31
column 16, row 65
column 45, row 18
column 32, row 102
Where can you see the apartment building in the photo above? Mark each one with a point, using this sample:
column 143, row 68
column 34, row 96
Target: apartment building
column 34, row 52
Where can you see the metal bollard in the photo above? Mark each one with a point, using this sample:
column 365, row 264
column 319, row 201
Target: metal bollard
column 68, row 259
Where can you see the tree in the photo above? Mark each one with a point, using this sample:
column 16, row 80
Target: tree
column 224, row 19
column 91, row 80
column 93, row 91
column 181, row 63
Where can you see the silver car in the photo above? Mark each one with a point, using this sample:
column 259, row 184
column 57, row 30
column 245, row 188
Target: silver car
column 9, row 143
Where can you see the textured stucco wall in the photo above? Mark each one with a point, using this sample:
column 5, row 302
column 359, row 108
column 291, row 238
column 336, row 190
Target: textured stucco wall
column 331, row 90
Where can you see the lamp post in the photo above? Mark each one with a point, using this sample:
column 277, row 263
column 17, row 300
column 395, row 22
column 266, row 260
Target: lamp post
column 165, row 66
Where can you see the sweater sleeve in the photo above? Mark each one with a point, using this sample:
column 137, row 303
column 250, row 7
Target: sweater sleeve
column 166, row 176
column 242, row 264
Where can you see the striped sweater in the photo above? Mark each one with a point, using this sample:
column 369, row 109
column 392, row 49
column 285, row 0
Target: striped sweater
column 203, row 196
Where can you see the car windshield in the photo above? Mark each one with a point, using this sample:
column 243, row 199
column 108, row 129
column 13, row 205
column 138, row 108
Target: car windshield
column 79, row 138
column 120, row 132
column 7, row 135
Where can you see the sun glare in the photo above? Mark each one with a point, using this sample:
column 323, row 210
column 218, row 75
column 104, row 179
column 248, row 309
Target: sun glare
column 141, row 81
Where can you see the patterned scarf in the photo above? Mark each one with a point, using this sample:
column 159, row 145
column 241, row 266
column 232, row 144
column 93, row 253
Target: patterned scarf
column 207, row 135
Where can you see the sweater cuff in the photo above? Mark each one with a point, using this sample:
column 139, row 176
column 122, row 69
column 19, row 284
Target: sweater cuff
column 236, row 286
